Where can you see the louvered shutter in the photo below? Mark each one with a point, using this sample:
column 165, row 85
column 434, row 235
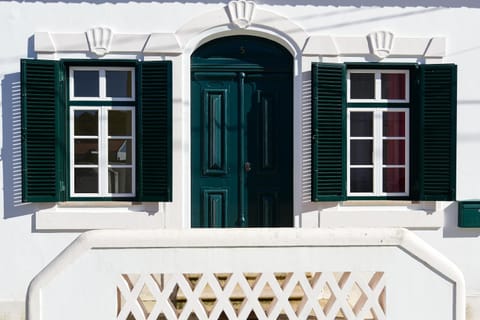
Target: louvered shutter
column 42, row 139
column 328, row 124
column 437, row 147
column 154, row 149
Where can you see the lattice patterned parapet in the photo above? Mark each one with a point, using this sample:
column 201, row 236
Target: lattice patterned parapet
column 290, row 295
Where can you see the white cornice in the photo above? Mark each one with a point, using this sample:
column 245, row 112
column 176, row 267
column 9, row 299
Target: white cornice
column 154, row 43
column 370, row 45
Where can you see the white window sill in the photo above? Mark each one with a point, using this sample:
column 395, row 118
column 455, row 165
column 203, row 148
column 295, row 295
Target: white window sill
column 80, row 216
column 404, row 214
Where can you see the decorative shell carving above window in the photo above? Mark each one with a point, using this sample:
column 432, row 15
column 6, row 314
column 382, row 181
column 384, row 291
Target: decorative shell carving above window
column 99, row 40
column 381, row 43
column 241, row 12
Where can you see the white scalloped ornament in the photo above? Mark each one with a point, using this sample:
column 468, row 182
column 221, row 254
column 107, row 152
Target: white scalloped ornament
column 381, row 43
column 241, row 12
column 100, row 40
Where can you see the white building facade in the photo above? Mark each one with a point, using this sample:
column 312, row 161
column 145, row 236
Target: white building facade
column 156, row 115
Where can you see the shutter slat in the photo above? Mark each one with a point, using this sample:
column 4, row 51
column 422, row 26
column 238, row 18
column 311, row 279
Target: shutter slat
column 40, row 102
column 438, row 132
column 328, row 109
column 155, row 131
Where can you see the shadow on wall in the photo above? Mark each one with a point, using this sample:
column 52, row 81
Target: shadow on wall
column 451, row 229
column 11, row 154
column 335, row 3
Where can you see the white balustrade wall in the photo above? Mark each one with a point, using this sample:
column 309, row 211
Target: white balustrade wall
column 248, row 274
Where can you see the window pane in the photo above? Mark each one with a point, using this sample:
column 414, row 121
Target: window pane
column 361, row 180
column 85, row 83
column 393, row 86
column 86, row 151
column 362, row 86
column 119, row 151
column 120, row 180
column 394, row 180
column 361, row 124
column 86, row 123
column 361, row 152
column 393, row 152
column 119, row 123
column 393, row 124
column 119, row 84
column 86, row 180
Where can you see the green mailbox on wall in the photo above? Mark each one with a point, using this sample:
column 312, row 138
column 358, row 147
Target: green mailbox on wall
column 469, row 214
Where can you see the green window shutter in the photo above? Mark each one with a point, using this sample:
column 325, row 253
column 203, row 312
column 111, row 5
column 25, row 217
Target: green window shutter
column 437, row 132
column 42, row 138
column 328, row 125
column 154, row 148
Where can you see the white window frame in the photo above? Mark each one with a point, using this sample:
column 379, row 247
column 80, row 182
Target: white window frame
column 102, row 84
column 378, row 85
column 377, row 156
column 103, row 165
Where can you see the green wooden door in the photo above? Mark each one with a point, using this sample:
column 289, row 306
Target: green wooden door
column 241, row 135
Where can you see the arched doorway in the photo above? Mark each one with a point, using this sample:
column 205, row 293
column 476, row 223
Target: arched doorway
column 241, row 134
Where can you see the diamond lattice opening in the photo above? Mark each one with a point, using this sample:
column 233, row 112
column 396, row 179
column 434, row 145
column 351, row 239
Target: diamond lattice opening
column 296, row 297
column 237, row 299
column 146, row 300
column 340, row 315
column 283, row 278
column 375, row 280
column 159, row 279
column 223, row 279
column 252, row 278
column 120, row 301
column 192, row 279
column 356, row 298
column 382, row 301
column 267, row 299
column 252, row 316
column 208, row 299
column 327, row 298
column 177, row 299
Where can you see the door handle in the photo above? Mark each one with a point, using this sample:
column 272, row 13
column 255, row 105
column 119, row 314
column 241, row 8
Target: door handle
column 247, row 166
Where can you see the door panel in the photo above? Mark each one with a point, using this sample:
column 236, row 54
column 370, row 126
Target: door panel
column 241, row 138
column 269, row 149
column 214, row 138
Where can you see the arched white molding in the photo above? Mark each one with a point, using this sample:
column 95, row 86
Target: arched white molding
column 219, row 23
column 264, row 23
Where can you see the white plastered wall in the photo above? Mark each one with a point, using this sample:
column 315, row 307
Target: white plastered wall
column 27, row 250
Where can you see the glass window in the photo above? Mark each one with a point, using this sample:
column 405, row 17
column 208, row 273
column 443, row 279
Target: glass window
column 378, row 151
column 86, row 83
column 361, row 124
column 86, row 180
column 394, row 180
column 362, row 86
column 119, row 83
column 102, row 83
column 378, row 86
column 361, row 151
column 86, row 122
column 361, row 180
column 102, row 134
column 393, row 86
column 119, row 122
